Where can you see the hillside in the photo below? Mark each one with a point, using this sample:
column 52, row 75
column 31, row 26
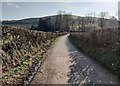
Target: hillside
column 26, row 23
column 74, row 22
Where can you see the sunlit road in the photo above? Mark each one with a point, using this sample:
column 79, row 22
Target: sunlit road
column 66, row 64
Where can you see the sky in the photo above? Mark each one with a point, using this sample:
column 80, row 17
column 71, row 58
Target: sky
column 60, row 0
column 20, row 9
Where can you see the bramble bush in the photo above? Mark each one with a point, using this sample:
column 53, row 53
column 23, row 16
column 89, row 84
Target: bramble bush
column 21, row 51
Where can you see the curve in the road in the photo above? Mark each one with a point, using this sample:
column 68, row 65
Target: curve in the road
column 66, row 64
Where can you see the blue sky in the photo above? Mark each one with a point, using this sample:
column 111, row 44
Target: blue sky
column 18, row 9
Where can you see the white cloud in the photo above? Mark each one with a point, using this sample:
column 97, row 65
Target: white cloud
column 13, row 5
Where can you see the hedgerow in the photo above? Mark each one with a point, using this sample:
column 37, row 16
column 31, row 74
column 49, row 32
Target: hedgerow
column 21, row 51
column 102, row 45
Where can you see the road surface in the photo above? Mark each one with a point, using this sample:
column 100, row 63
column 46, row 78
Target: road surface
column 65, row 64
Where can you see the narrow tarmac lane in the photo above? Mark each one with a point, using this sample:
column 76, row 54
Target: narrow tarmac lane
column 65, row 64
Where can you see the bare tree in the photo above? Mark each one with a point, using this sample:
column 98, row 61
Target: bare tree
column 83, row 24
column 113, row 21
column 58, row 21
column 103, row 15
column 90, row 18
column 68, row 19
column 62, row 21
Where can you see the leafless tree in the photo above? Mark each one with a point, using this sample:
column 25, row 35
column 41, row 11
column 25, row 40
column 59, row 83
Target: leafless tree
column 90, row 18
column 103, row 15
column 113, row 22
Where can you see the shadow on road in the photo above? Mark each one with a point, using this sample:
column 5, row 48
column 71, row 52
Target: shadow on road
column 78, row 74
column 84, row 70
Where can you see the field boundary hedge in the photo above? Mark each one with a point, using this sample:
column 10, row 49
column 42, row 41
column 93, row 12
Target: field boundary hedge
column 22, row 50
column 102, row 50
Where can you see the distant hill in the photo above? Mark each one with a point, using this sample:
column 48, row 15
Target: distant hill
column 24, row 23
column 27, row 23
